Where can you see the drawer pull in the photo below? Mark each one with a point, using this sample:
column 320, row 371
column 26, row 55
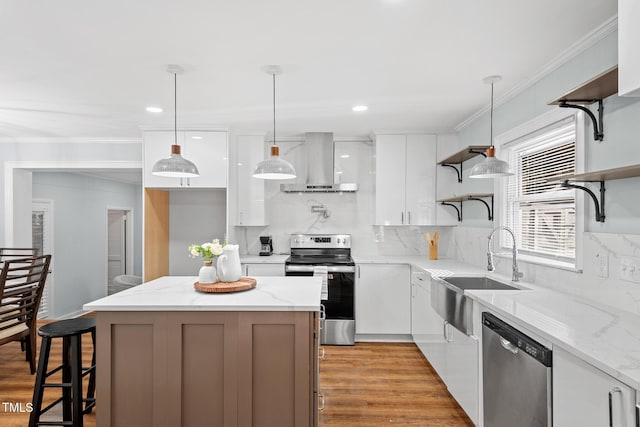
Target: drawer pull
column 611, row 392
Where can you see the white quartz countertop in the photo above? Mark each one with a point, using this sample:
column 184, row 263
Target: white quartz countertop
column 176, row 293
column 256, row 259
column 604, row 337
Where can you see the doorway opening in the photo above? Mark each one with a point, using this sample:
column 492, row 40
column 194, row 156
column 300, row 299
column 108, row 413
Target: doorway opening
column 119, row 249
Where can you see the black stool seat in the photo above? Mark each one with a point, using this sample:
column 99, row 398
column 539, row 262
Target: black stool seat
column 70, row 331
column 65, row 328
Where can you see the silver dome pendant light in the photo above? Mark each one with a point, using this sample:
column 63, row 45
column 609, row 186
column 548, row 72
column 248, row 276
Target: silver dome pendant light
column 491, row 166
column 175, row 166
column 274, row 167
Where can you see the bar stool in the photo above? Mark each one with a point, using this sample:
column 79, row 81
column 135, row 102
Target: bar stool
column 72, row 372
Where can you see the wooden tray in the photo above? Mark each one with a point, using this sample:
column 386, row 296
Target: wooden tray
column 245, row 283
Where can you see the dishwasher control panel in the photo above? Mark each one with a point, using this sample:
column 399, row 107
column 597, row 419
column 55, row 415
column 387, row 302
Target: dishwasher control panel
column 517, row 339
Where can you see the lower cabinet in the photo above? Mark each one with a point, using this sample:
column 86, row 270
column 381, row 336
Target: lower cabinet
column 461, row 372
column 587, row 397
column 228, row 368
column 263, row 269
column 383, row 299
column 427, row 327
column 453, row 354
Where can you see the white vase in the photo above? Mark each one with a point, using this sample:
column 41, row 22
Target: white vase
column 207, row 274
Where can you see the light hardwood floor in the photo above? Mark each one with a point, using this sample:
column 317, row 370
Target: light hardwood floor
column 369, row 385
column 382, row 384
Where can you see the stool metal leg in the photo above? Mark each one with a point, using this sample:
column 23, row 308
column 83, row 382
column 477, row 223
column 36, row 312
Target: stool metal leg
column 76, row 379
column 66, row 379
column 38, row 391
column 91, row 388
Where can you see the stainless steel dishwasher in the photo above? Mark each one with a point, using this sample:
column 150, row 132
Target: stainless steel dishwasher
column 516, row 377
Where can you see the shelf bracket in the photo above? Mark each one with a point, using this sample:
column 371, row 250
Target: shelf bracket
column 598, row 132
column 459, row 211
column 453, row 166
column 489, row 208
column 458, row 166
column 479, row 153
column 598, row 205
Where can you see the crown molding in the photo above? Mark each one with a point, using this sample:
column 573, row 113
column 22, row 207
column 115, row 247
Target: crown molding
column 65, row 140
column 600, row 32
column 186, row 128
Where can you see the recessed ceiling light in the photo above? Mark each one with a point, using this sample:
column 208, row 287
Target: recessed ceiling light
column 344, row 156
column 196, row 137
column 154, row 109
column 360, row 108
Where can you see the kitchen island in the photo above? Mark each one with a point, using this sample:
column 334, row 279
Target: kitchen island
column 170, row 356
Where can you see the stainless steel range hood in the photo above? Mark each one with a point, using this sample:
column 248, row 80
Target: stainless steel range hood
column 320, row 167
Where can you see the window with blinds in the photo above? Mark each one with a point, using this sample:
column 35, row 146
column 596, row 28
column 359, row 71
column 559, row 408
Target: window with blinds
column 542, row 214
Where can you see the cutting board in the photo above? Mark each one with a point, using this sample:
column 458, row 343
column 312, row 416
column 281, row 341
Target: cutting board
column 245, row 283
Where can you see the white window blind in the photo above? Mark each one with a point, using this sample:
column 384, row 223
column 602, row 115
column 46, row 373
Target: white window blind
column 542, row 214
column 38, row 233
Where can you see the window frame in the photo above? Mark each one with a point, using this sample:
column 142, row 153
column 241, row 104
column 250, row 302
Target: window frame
column 502, row 141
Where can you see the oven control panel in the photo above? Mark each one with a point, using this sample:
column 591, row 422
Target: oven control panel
column 320, row 241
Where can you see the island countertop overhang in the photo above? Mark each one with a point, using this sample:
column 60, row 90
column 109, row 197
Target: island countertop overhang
column 176, row 293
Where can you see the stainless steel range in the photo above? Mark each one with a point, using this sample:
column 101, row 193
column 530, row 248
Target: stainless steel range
column 330, row 255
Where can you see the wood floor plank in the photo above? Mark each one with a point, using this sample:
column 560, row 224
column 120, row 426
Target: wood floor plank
column 367, row 385
column 382, row 384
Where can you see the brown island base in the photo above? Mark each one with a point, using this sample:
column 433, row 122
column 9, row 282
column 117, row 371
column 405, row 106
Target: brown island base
column 229, row 361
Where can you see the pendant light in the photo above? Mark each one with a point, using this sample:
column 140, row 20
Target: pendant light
column 274, row 167
column 491, row 166
column 175, row 166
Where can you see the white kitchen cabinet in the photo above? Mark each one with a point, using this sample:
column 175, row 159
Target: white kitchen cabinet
column 405, row 179
column 263, row 269
column 250, row 190
column 383, row 299
column 587, row 397
column 461, row 372
column 426, row 325
column 207, row 149
column 628, row 42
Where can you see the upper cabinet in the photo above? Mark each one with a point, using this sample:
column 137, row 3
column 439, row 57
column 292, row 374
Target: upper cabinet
column 207, row 149
column 250, row 194
column 628, row 42
column 405, row 179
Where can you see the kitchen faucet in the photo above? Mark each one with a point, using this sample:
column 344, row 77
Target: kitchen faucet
column 516, row 274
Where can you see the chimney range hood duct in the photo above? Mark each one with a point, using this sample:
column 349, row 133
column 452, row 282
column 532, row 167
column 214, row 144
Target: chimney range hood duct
column 320, row 167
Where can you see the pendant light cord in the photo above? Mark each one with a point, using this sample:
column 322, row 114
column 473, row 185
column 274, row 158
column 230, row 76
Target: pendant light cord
column 491, row 115
column 175, row 108
column 274, row 109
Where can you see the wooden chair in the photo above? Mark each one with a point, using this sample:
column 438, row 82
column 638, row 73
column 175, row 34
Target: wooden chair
column 21, row 284
column 16, row 253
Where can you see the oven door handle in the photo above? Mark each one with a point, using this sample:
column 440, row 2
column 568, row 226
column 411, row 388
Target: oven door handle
column 330, row 268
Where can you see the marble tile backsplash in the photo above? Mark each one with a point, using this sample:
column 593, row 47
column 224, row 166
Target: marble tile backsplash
column 469, row 245
column 348, row 213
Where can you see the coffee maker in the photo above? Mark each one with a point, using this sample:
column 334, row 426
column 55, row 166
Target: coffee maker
column 266, row 246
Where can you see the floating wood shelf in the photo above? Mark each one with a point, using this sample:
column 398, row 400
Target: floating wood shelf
column 455, row 160
column 603, row 175
column 600, row 87
column 598, row 176
column 595, row 90
column 466, row 197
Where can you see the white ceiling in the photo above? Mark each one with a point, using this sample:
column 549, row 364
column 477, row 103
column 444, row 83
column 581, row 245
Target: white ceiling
column 77, row 68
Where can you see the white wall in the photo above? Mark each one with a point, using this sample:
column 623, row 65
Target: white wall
column 616, row 237
column 195, row 217
column 80, row 232
column 57, row 150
